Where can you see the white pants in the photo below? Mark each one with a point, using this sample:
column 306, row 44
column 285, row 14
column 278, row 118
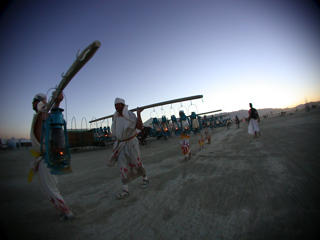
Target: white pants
column 127, row 155
column 49, row 186
column 253, row 126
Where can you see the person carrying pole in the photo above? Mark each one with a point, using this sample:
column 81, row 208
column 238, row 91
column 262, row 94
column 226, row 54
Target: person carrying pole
column 48, row 181
column 126, row 150
column 184, row 137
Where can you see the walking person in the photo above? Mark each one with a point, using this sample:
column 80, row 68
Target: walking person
column 237, row 121
column 126, row 150
column 207, row 130
column 48, row 181
column 253, row 120
column 185, row 136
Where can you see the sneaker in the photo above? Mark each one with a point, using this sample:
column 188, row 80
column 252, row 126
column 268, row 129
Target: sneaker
column 64, row 218
column 144, row 184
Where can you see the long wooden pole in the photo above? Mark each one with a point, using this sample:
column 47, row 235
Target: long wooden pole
column 81, row 60
column 210, row 112
column 154, row 105
column 223, row 115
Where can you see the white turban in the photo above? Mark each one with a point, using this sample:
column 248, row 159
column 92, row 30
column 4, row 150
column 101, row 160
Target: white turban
column 119, row 100
column 40, row 97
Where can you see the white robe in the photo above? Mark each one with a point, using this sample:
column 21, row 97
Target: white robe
column 126, row 150
column 253, row 126
column 48, row 182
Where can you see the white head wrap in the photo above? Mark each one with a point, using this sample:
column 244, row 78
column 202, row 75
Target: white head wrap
column 119, row 100
column 125, row 114
column 42, row 98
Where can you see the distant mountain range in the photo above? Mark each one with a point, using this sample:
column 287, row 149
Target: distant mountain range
column 267, row 111
column 244, row 113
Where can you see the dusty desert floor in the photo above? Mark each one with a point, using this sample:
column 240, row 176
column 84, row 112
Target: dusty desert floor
column 235, row 188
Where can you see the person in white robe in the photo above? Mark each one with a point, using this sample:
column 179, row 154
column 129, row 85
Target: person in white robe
column 185, row 137
column 48, row 182
column 126, row 150
column 253, row 121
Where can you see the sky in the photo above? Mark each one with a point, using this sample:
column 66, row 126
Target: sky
column 232, row 52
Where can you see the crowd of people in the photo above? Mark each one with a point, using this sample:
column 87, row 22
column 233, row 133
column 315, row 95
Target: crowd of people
column 126, row 150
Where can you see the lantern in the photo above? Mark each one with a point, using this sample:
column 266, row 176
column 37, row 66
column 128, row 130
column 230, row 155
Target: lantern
column 106, row 132
column 165, row 126
column 184, row 123
column 175, row 125
column 157, row 128
column 96, row 134
column 212, row 122
column 205, row 122
column 101, row 134
column 195, row 124
column 54, row 143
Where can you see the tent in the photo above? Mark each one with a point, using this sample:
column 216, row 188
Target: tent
column 13, row 143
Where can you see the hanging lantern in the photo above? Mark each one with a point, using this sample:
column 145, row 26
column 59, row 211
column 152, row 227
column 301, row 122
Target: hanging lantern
column 217, row 122
column 212, row 122
column 106, row 132
column 195, row 125
column 184, row 123
column 175, row 125
column 165, row 126
column 105, row 135
column 157, row 127
column 96, row 134
column 54, row 143
column 201, row 122
column 205, row 122
column 101, row 134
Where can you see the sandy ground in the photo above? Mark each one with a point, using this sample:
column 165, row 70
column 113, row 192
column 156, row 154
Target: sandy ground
column 234, row 188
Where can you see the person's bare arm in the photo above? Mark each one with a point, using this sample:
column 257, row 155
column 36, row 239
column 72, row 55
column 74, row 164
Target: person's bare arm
column 38, row 126
column 139, row 124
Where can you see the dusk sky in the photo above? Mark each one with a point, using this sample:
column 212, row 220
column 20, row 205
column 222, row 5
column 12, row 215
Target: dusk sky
column 232, row 52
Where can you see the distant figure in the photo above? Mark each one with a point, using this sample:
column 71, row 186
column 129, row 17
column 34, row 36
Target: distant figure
column 201, row 135
column 207, row 130
column 228, row 124
column 253, row 120
column 237, row 122
column 185, row 137
column 48, row 182
column 126, row 150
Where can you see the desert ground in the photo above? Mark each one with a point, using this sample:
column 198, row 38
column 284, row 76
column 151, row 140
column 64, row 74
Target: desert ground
column 236, row 187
